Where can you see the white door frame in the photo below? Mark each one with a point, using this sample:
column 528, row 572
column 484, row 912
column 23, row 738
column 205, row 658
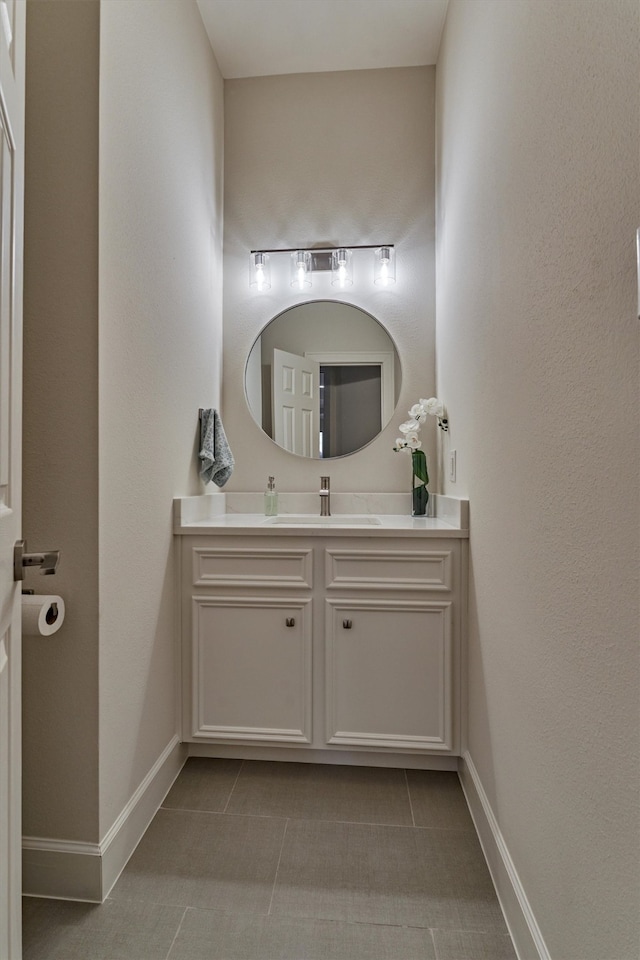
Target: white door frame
column 361, row 358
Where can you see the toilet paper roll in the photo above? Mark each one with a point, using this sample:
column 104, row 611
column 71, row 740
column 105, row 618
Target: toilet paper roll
column 41, row 615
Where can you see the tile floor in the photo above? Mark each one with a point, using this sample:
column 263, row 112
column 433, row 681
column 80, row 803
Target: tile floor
column 253, row 860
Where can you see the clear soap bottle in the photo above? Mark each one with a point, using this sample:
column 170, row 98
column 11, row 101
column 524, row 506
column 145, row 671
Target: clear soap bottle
column 271, row 499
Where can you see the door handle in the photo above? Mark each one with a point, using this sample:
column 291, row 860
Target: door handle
column 47, row 562
column 347, row 624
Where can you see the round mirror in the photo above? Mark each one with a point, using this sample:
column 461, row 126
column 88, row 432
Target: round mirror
column 323, row 379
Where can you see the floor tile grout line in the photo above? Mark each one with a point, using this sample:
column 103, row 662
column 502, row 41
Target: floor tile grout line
column 171, row 945
column 406, row 780
column 436, row 952
column 275, row 877
column 310, row 819
column 240, row 769
column 221, row 813
column 139, row 901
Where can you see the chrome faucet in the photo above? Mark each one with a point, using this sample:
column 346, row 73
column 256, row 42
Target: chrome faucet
column 325, row 497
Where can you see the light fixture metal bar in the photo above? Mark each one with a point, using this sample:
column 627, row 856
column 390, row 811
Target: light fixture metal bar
column 312, row 250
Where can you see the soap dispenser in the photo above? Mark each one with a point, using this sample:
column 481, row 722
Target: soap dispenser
column 271, row 499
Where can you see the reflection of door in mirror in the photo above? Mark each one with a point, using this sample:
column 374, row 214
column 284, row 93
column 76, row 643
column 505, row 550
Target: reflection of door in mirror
column 350, row 407
column 296, row 403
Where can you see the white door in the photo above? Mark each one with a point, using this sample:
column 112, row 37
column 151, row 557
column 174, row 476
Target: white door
column 12, row 46
column 296, row 403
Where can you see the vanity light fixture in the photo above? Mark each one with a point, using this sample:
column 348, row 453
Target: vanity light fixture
column 384, row 273
column 338, row 260
column 301, row 269
column 341, row 270
column 259, row 270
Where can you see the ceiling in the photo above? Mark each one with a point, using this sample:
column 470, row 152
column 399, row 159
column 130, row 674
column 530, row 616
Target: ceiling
column 259, row 38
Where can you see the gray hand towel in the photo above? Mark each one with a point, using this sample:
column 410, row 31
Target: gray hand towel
column 215, row 453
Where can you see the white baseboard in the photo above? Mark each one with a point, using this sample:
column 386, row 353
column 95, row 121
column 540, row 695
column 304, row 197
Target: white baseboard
column 523, row 927
column 61, row 869
column 354, row 758
column 68, row 870
column 125, row 834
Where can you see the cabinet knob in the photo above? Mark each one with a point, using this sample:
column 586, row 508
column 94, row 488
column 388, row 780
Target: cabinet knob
column 347, row 624
column 290, row 621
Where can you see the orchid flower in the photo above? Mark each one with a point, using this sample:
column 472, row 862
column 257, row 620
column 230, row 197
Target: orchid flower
column 431, row 407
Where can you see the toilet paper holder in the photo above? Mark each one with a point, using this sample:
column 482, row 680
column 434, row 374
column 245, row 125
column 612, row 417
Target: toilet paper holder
column 47, row 562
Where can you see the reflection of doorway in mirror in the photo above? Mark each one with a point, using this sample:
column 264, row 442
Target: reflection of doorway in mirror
column 350, row 407
column 367, row 390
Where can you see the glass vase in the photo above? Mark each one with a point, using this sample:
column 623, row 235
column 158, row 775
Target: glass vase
column 420, row 479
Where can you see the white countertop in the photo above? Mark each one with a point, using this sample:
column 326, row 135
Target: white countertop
column 222, row 514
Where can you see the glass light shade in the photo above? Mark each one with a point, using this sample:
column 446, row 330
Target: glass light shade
column 384, row 272
column 259, row 271
column 341, row 269
column 301, row 269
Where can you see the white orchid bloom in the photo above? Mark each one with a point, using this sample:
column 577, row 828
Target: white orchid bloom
column 409, row 426
column 433, row 407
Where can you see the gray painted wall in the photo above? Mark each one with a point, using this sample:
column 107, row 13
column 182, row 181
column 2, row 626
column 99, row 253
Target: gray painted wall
column 537, row 342
column 127, row 339
column 330, row 158
column 60, row 414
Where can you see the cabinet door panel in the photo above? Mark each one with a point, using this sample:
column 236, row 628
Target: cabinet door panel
column 251, row 672
column 389, row 674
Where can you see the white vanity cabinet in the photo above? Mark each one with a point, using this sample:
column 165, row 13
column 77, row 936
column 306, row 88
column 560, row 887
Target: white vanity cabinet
column 323, row 642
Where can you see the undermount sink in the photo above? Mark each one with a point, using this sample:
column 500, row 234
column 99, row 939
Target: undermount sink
column 340, row 519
